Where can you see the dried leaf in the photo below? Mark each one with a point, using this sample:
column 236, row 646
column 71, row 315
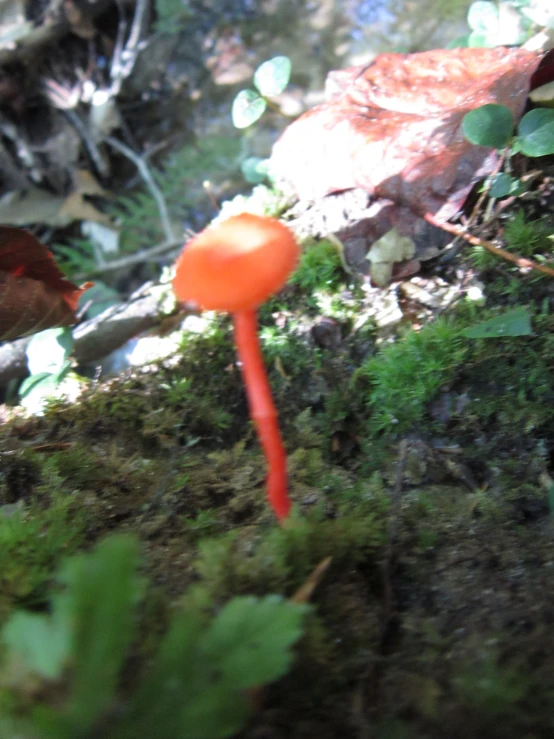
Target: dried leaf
column 34, row 294
column 393, row 127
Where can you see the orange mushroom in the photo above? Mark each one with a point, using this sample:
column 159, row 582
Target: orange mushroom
column 234, row 267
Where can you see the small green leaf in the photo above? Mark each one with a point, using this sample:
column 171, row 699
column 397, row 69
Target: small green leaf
column 41, row 643
column 490, row 125
column 502, row 184
column 42, row 380
column 248, row 106
column 516, row 322
column 273, row 76
column 536, row 132
column 48, row 350
column 250, row 639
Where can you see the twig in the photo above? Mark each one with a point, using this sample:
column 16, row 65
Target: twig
column 124, row 58
column 521, row 262
column 88, row 141
column 144, row 255
column 146, row 175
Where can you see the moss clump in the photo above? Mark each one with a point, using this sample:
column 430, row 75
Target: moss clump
column 405, row 376
column 32, row 542
column 320, row 267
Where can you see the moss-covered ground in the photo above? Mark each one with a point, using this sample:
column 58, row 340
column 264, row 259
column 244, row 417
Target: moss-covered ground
column 419, row 461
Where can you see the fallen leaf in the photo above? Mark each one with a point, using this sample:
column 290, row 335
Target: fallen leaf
column 34, row 294
column 393, row 128
column 37, row 205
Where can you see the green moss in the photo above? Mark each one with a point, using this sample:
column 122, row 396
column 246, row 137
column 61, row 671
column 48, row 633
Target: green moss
column 405, row 376
column 282, row 558
column 320, row 267
column 32, row 541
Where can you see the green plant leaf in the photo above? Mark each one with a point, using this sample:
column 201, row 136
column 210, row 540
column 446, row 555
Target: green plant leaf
column 536, row 132
column 194, row 688
column 273, row 76
column 503, row 184
column 490, row 125
column 103, row 589
column 41, row 643
column 516, row 322
column 48, row 350
column 251, row 639
column 248, row 106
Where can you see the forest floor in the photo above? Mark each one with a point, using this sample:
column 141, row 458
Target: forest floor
column 419, row 461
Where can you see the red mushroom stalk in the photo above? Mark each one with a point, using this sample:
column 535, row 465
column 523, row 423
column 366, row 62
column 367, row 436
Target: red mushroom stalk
column 234, row 267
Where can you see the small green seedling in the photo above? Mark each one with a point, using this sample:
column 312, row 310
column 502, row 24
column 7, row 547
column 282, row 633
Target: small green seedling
column 50, row 370
column 62, row 669
column 492, row 125
column 270, row 79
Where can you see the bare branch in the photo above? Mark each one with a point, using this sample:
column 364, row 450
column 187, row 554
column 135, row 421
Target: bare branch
column 149, row 181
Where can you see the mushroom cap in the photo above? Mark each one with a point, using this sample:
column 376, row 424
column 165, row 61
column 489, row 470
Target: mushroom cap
column 237, row 264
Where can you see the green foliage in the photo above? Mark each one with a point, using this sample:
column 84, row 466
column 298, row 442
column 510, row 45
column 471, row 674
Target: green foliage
column 285, row 556
column 536, row 133
column 47, row 360
column 194, row 688
column 490, row 125
column 516, row 322
column 319, row 268
column 502, row 184
column 31, row 544
column 522, row 237
column 527, row 238
column 406, row 375
column 270, row 79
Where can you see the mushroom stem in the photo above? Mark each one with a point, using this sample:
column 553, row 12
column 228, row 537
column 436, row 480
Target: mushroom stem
column 262, row 409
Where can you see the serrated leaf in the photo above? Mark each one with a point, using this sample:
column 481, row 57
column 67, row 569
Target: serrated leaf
column 248, row 106
column 273, row 76
column 251, row 639
column 536, row 132
column 194, row 690
column 489, row 125
column 516, row 322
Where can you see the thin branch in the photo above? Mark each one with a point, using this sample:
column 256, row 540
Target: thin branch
column 124, row 58
column 144, row 255
column 149, row 181
column 521, row 262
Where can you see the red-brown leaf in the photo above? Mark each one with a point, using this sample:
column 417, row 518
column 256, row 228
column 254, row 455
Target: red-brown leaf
column 393, row 127
column 34, row 294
